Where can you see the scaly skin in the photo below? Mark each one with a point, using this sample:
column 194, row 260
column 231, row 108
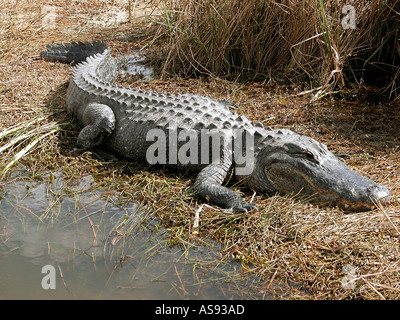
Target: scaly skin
column 281, row 160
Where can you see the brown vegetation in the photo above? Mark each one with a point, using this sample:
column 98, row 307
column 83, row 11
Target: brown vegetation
column 302, row 40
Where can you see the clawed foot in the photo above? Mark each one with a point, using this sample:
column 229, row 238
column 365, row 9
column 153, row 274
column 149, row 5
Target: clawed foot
column 103, row 155
column 243, row 207
column 98, row 153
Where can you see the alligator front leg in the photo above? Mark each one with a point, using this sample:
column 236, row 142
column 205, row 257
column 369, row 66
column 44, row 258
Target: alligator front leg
column 99, row 122
column 208, row 185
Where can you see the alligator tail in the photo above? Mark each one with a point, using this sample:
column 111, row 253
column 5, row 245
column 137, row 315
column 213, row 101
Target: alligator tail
column 73, row 52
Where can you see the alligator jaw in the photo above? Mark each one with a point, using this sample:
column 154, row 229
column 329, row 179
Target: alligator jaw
column 340, row 186
column 378, row 194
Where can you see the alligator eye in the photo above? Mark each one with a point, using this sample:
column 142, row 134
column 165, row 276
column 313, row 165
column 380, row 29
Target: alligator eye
column 310, row 156
column 307, row 155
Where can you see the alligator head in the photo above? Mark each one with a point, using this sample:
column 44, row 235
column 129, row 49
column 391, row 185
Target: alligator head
column 290, row 163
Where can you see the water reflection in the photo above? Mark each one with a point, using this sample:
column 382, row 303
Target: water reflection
column 100, row 249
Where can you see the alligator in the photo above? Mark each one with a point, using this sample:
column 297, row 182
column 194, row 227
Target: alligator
column 125, row 120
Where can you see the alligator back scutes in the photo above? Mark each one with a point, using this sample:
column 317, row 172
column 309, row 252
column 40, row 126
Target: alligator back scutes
column 95, row 76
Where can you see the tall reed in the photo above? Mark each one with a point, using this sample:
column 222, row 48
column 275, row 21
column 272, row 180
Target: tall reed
column 293, row 39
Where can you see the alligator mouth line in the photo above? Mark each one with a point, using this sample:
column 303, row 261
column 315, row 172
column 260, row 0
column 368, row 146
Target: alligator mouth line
column 336, row 198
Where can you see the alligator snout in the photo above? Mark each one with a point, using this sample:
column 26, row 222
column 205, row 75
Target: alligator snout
column 365, row 199
column 379, row 193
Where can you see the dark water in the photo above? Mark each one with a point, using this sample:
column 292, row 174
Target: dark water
column 97, row 249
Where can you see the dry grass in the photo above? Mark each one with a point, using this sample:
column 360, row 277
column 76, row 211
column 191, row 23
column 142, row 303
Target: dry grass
column 300, row 250
column 292, row 40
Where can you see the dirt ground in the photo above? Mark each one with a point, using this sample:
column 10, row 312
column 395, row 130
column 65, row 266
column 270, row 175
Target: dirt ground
column 285, row 240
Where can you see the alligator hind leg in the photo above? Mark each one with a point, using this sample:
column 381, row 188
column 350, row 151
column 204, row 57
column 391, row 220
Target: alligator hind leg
column 208, row 185
column 99, row 122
